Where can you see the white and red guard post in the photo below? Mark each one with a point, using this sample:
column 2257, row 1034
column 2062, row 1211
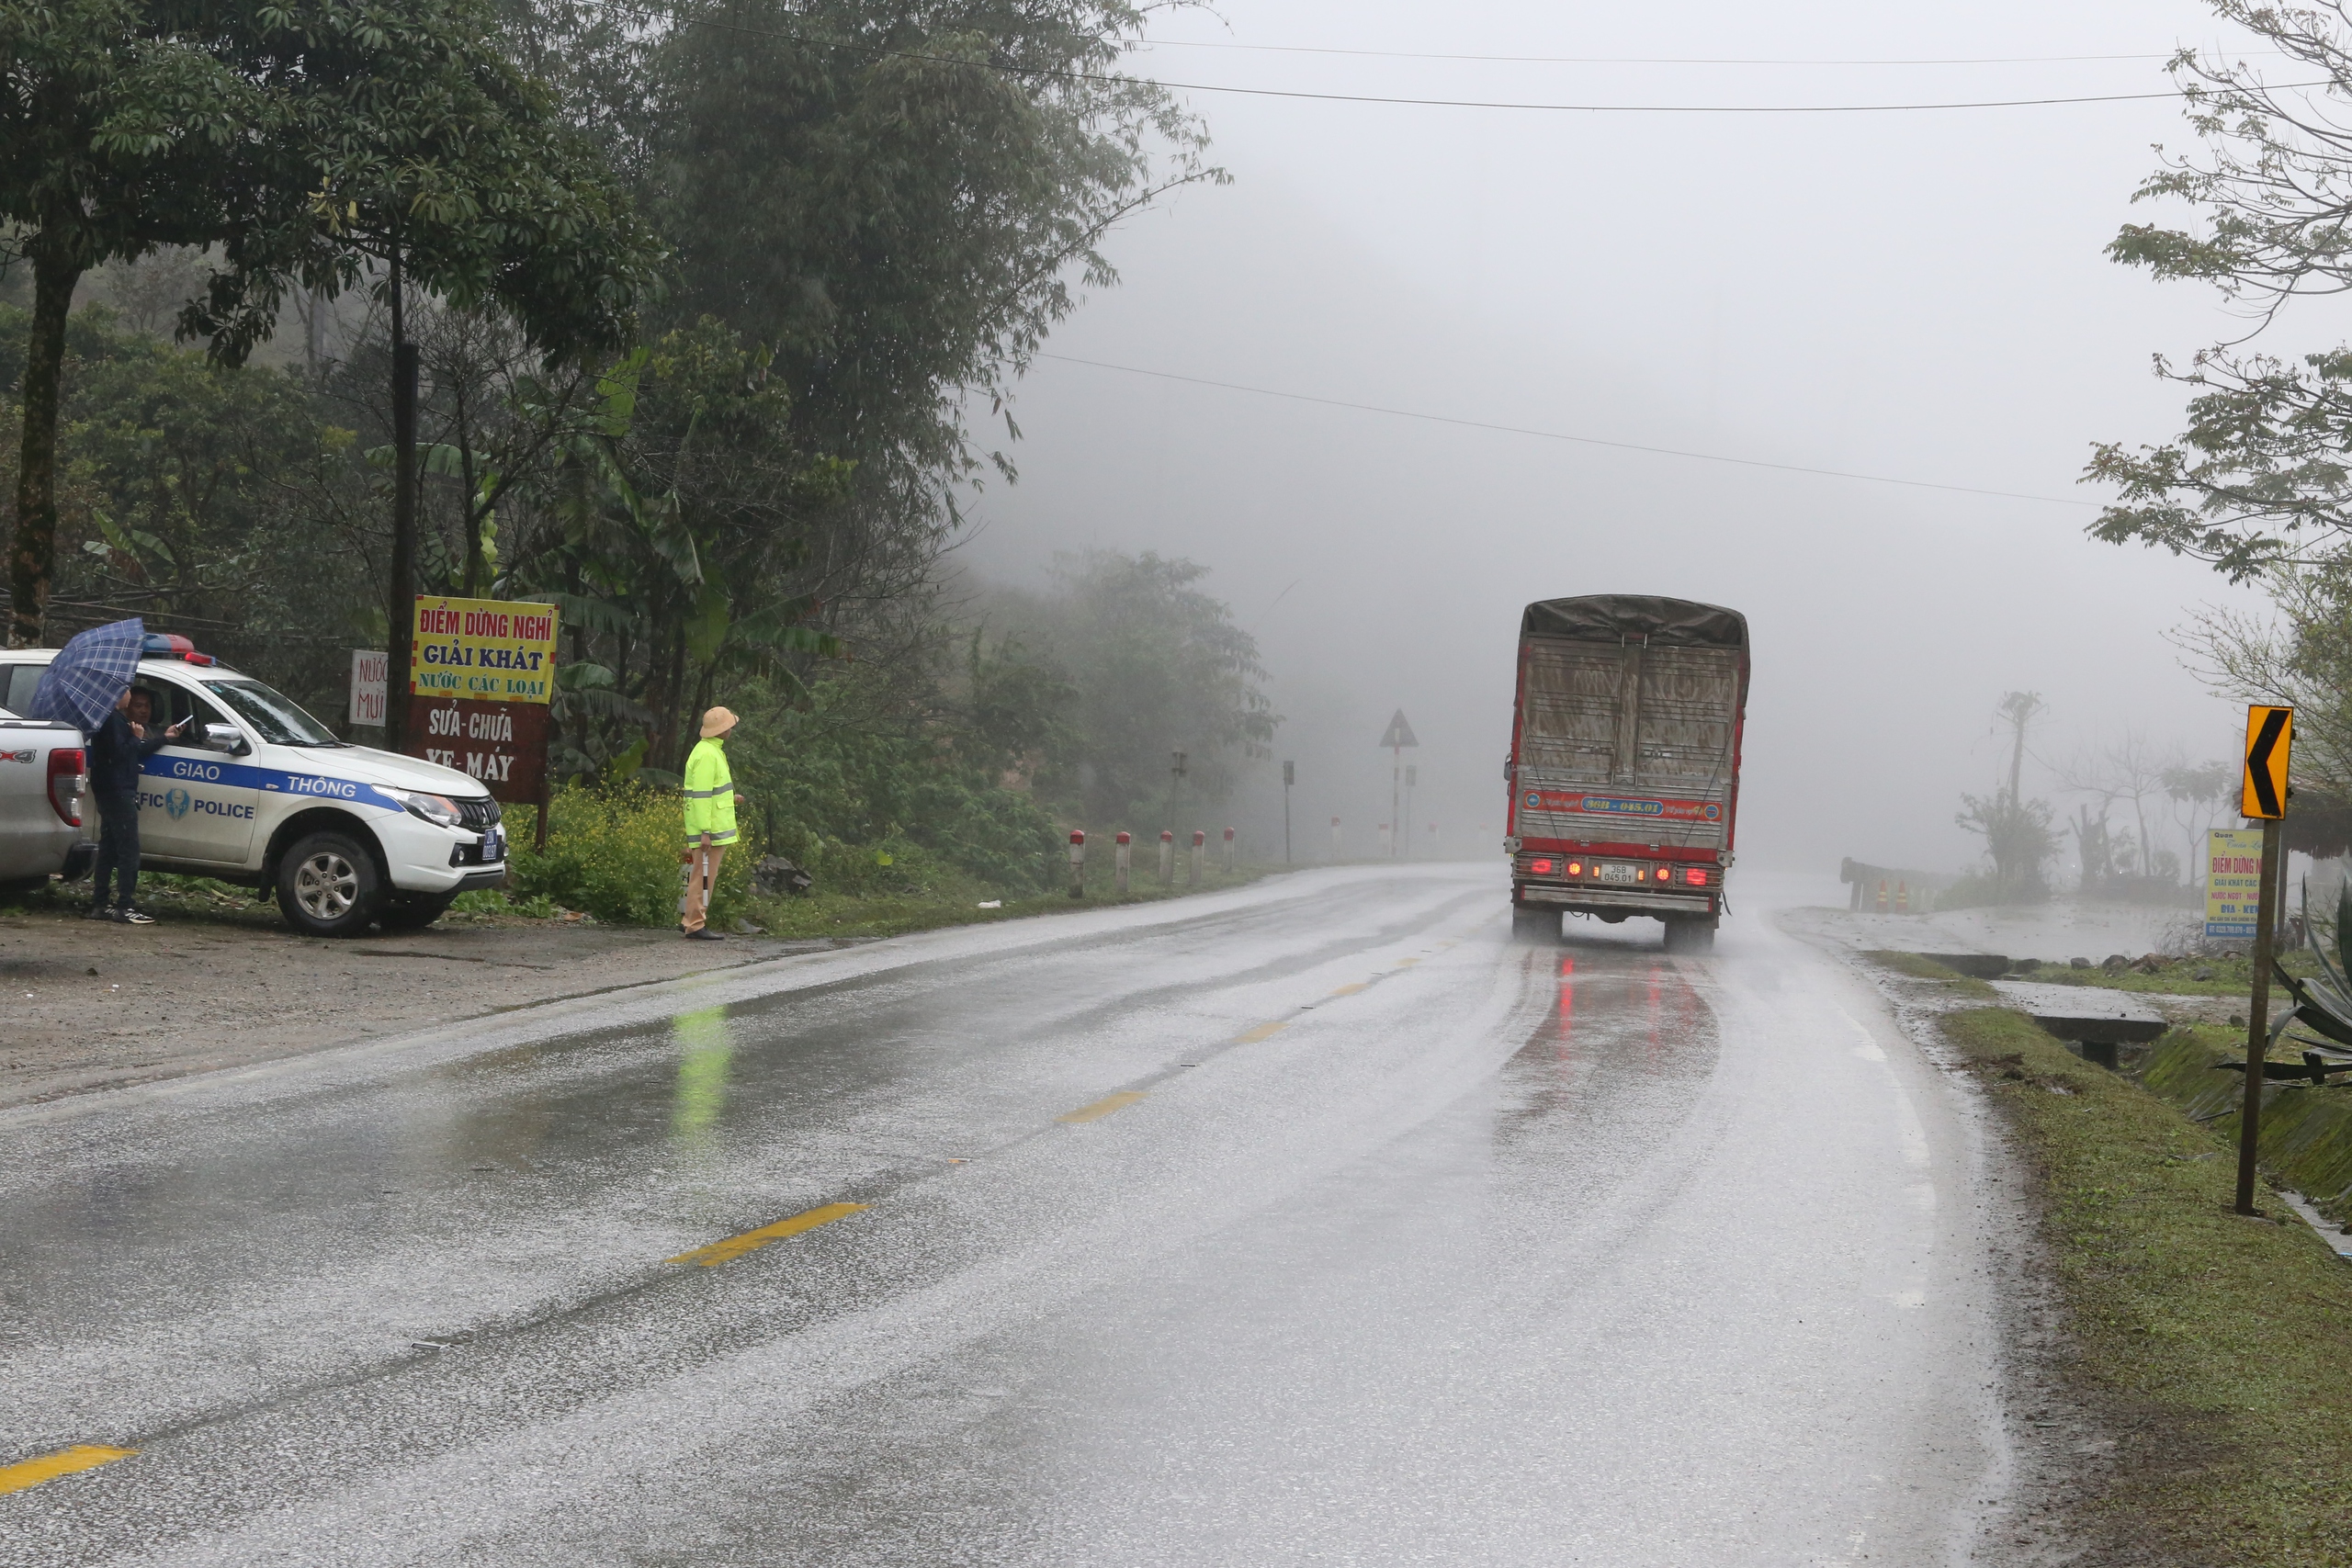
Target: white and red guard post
column 1078, row 863
column 1125, row 848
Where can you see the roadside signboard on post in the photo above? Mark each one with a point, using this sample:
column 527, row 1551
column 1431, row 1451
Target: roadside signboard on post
column 2269, row 741
column 502, row 744
column 483, row 650
column 2232, row 883
column 368, row 686
column 482, row 674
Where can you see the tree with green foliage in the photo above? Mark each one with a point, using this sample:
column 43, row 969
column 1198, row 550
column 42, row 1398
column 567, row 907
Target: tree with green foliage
column 126, row 128
column 226, row 501
column 686, row 558
column 328, row 143
column 1156, row 666
column 2259, row 479
column 442, row 168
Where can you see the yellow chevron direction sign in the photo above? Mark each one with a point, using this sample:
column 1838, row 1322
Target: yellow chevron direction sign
column 2269, row 736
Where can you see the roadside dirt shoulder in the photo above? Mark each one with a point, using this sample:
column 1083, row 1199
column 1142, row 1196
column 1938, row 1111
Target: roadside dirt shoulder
column 89, row 1005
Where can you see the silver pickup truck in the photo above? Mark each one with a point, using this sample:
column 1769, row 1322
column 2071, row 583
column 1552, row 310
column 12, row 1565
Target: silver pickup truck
column 44, row 770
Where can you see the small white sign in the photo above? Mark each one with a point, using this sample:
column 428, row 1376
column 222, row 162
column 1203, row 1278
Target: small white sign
column 368, row 697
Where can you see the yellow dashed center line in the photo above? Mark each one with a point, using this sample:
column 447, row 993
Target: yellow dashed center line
column 65, row 1462
column 719, row 1252
column 1264, row 1031
column 1407, row 962
column 1103, row 1107
column 1350, row 990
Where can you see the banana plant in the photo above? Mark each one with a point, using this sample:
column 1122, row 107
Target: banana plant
column 2323, row 1003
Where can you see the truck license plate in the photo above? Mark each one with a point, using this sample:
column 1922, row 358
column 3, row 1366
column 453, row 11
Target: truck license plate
column 1620, row 872
column 493, row 847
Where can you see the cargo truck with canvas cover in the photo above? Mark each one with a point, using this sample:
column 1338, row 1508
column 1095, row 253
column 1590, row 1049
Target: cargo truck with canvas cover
column 1624, row 762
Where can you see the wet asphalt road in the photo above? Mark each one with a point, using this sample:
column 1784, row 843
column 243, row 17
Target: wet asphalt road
column 1316, row 1223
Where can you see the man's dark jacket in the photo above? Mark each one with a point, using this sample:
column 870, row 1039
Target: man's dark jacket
column 116, row 753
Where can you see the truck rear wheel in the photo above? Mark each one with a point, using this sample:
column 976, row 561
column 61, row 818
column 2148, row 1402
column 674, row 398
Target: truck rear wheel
column 1533, row 923
column 327, row 885
column 1686, row 933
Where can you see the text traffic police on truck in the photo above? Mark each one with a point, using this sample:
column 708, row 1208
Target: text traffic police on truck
column 258, row 792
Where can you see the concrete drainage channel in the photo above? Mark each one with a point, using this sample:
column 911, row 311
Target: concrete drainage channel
column 2306, row 1127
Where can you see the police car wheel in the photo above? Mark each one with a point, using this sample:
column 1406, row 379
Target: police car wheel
column 326, row 886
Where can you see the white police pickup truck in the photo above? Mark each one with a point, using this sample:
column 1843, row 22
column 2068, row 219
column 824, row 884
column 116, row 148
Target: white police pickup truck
column 259, row 793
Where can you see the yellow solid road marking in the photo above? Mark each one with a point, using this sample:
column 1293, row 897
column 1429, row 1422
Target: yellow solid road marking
column 1264, row 1031
column 1103, row 1107
column 65, row 1462
column 719, row 1252
column 1350, row 990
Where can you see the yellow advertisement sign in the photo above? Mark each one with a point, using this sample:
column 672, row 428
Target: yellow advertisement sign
column 2232, row 882
column 490, row 651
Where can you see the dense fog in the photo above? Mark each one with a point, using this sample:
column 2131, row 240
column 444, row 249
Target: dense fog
column 1917, row 295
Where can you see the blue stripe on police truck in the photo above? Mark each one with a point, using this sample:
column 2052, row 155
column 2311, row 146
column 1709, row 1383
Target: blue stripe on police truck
column 241, row 775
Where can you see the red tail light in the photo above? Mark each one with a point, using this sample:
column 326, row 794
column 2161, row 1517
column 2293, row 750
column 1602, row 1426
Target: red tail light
column 1576, row 868
column 1540, row 867
column 1695, row 877
column 66, row 782
column 1663, row 874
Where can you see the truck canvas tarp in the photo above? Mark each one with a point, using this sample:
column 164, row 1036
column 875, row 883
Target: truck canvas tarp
column 1624, row 762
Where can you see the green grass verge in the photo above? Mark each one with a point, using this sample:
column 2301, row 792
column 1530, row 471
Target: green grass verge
column 2214, row 1344
column 2231, row 975
column 2306, row 1131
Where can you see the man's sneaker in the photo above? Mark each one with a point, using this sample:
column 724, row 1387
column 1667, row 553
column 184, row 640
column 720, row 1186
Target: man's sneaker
column 704, row 934
column 134, row 917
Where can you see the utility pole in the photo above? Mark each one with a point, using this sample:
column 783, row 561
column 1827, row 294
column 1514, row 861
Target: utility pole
column 1412, row 776
column 1175, row 788
column 1290, row 777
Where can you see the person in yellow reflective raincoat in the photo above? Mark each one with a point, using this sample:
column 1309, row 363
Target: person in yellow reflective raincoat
column 711, row 801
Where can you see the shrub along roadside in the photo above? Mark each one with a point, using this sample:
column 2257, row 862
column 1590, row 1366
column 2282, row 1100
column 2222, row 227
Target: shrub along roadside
column 614, row 854
column 2213, row 1343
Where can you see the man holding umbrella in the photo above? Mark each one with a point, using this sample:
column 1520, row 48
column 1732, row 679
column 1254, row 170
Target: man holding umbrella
column 118, row 748
column 88, row 685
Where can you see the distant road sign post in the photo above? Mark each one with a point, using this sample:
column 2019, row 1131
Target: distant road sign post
column 1399, row 736
column 2269, row 742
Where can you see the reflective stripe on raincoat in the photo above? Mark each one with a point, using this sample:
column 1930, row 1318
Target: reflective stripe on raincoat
column 710, row 794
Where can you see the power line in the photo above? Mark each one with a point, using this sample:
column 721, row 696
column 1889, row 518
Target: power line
column 1608, row 108
column 1558, row 436
column 1627, row 58
column 1109, row 79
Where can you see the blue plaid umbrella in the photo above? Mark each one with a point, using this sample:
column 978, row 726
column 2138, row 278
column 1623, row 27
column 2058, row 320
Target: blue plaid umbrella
column 89, row 674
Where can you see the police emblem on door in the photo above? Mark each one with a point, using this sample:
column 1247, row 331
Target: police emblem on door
column 175, row 804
